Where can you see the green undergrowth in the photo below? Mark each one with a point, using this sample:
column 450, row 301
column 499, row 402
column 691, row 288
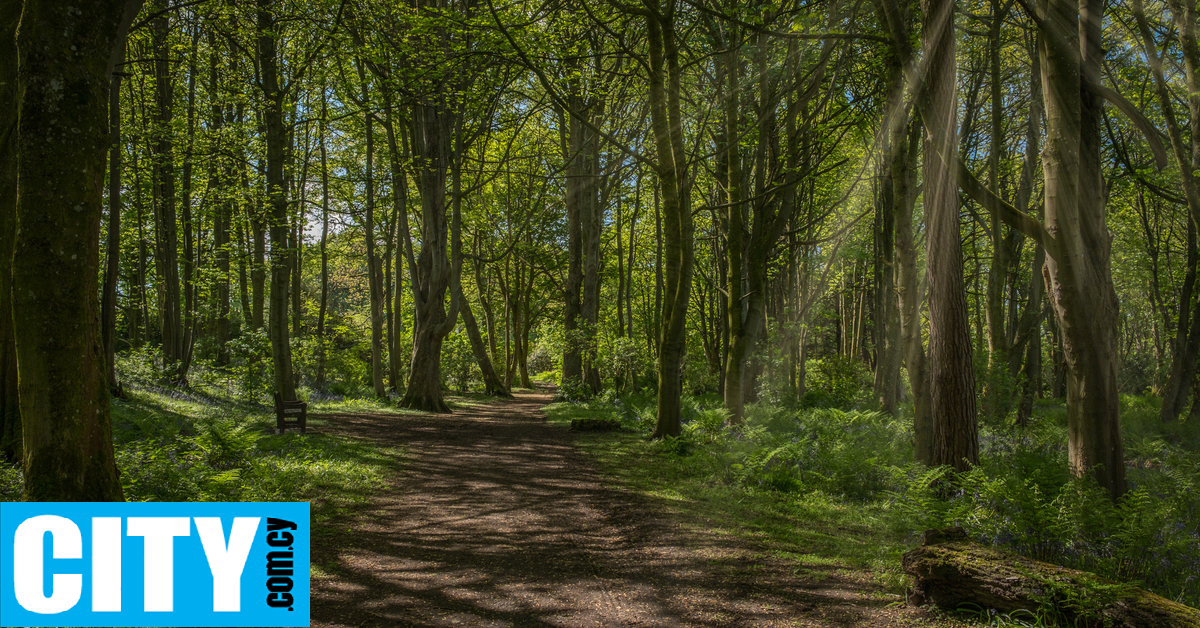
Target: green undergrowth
column 827, row 486
column 177, row 445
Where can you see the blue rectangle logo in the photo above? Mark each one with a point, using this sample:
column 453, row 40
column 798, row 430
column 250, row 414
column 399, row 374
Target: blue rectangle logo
column 154, row 564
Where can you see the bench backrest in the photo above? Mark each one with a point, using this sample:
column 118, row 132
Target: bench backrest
column 290, row 414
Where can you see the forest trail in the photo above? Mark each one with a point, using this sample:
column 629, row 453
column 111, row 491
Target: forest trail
column 497, row 520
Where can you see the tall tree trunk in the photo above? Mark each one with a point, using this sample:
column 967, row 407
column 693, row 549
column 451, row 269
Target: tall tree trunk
column 403, row 236
column 299, row 188
column 141, row 323
column 678, row 227
column 620, row 303
column 243, row 282
column 187, row 317
column 886, row 385
column 903, row 146
column 10, row 408
column 276, row 139
column 576, row 188
column 374, row 278
column 431, row 136
column 996, row 395
column 591, row 231
column 219, row 177
column 1080, row 278
column 735, row 240
column 167, row 240
column 637, row 207
column 258, row 261
column 108, row 300
column 522, row 355
column 320, row 376
column 951, row 371
column 62, row 139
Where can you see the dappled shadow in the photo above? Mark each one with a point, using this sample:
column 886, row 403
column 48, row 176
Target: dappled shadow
column 497, row 520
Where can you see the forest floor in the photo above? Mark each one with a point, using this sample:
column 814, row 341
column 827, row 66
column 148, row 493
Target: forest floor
column 498, row 519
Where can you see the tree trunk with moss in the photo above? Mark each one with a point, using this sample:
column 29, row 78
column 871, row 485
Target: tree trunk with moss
column 431, row 132
column 1081, row 289
column 166, row 246
column 10, row 412
column 62, row 141
column 678, row 227
column 374, row 264
column 276, row 138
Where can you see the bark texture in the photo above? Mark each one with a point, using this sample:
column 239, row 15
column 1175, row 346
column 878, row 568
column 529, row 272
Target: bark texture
column 431, row 135
column 276, row 140
column 903, row 144
column 677, row 227
column 63, row 137
column 1079, row 274
column 951, row 376
column 166, row 246
column 581, row 146
column 10, row 413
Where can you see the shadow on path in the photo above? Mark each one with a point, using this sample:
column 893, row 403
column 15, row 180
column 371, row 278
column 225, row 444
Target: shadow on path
column 497, row 520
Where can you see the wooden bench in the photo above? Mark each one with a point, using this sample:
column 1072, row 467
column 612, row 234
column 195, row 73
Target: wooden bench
column 290, row 414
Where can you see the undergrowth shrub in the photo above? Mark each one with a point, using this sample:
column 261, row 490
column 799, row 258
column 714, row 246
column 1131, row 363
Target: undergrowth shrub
column 183, row 445
column 10, row 481
column 573, row 389
column 1020, row 498
column 836, row 382
column 459, row 367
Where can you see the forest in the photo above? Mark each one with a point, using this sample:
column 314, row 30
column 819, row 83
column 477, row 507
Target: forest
column 877, row 264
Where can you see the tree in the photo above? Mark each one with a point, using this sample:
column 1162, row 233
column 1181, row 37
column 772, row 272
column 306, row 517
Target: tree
column 275, row 88
column 678, row 226
column 899, row 195
column 10, row 408
column 1081, row 288
column 756, row 222
column 62, row 140
column 951, row 372
column 166, row 245
column 1186, row 347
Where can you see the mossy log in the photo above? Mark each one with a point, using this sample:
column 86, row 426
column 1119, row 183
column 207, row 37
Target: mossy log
column 595, row 425
column 951, row 571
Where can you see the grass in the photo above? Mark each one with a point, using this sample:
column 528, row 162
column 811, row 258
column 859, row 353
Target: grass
column 214, row 441
column 697, row 478
column 175, row 447
column 201, row 445
column 831, row 488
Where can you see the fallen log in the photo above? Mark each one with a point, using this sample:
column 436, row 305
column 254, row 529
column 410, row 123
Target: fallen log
column 952, row 572
column 595, row 425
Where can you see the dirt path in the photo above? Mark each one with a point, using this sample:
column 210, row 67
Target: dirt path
column 497, row 520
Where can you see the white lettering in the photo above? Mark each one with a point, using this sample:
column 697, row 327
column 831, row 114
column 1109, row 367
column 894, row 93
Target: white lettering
column 65, row 542
column 159, row 567
column 106, row 564
column 226, row 562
